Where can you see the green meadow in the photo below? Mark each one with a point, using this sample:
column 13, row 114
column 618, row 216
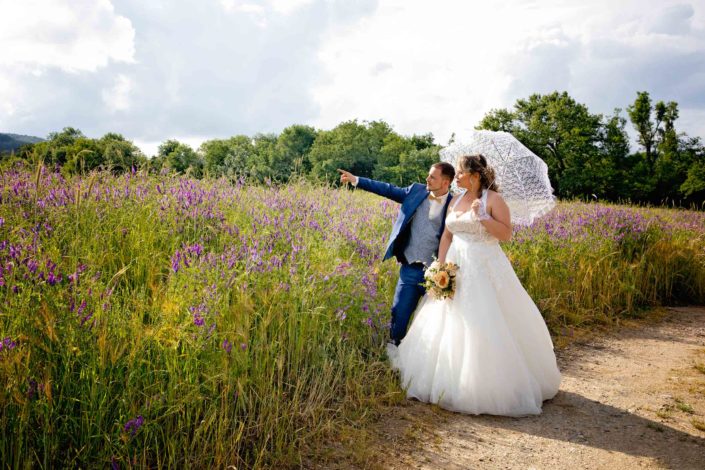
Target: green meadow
column 162, row 321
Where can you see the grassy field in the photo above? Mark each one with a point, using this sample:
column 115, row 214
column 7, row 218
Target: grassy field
column 163, row 321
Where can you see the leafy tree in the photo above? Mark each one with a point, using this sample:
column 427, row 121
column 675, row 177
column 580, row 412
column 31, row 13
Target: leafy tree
column 654, row 125
column 82, row 155
column 180, row 158
column 667, row 156
column 614, row 158
column 640, row 115
column 671, row 166
column 262, row 162
column 58, row 147
column 405, row 160
column 499, row 120
column 231, row 157
column 119, row 154
column 76, row 153
column 563, row 133
column 414, row 165
column 393, row 148
column 378, row 131
column 214, row 153
column 589, row 154
column 693, row 187
column 292, row 151
column 350, row 145
column 241, row 151
column 423, row 141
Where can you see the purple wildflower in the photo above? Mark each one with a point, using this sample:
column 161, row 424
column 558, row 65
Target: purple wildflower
column 198, row 319
column 175, row 261
column 52, row 279
column 33, row 389
column 133, row 425
column 32, row 265
column 86, row 317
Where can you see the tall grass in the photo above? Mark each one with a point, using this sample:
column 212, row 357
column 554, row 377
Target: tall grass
column 596, row 263
column 162, row 321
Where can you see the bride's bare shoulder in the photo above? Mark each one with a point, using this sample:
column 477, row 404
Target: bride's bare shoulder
column 492, row 194
column 493, row 197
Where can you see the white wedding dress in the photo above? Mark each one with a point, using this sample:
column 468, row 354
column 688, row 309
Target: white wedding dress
column 487, row 350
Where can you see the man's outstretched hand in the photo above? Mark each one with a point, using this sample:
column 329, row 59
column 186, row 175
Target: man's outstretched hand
column 347, row 177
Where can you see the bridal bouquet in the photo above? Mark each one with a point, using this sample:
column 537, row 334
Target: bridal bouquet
column 440, row 279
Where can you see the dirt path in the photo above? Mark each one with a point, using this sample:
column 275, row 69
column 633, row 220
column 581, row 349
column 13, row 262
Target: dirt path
column 631, row 399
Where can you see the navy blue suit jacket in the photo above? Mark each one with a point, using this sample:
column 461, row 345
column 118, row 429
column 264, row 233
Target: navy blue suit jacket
column 410, row 199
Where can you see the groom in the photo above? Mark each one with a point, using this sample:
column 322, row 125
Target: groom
column 415, row 235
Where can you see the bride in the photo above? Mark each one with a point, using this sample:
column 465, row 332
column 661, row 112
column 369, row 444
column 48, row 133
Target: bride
column 486, row 350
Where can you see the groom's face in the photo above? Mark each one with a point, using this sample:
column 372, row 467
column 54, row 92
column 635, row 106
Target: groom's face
column 436, row 182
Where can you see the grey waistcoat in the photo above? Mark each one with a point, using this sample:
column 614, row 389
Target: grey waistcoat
column 423, row 234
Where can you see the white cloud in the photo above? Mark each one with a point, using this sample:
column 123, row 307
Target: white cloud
column 197, row 72
column 73, row 35
column 41, row 37
column 117, row 98
column 261, row 11
column 284, row 7
column 443, row 71
column 692, row 119
column 256, row 11
column 200, row 70
column 7, row 88
column 442, row 68
column 287, row 7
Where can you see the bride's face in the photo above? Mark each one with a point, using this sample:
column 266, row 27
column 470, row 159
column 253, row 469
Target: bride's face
column 466, row 179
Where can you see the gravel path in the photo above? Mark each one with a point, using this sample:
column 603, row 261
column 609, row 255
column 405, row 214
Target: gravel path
column 630, row 399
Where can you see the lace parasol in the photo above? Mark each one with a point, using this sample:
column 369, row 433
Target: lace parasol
column 521, row 175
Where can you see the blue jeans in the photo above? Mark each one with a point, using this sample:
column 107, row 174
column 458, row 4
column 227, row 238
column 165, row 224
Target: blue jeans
column 406, row 297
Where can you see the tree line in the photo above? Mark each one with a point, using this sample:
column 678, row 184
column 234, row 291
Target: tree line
column 588, row 155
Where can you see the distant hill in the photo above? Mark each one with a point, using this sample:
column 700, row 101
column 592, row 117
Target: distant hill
column 12, row 142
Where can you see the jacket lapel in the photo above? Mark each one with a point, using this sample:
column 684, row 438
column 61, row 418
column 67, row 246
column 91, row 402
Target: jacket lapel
column 409, row 211
column 420, row 197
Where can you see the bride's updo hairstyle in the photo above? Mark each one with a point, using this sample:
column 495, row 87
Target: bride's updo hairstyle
column 478, row 164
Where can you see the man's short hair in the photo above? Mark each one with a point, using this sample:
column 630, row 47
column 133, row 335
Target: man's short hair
column 446, row 168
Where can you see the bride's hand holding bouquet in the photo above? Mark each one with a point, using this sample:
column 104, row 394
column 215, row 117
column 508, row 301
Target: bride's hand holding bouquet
column 439, row 279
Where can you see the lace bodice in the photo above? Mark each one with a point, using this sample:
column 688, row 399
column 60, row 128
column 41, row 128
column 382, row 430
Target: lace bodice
column 467, row 225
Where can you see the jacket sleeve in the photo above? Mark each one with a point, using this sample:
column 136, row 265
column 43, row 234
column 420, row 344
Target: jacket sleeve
column 387, row 190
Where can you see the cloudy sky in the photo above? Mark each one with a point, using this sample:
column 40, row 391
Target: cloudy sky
column 201, row 69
